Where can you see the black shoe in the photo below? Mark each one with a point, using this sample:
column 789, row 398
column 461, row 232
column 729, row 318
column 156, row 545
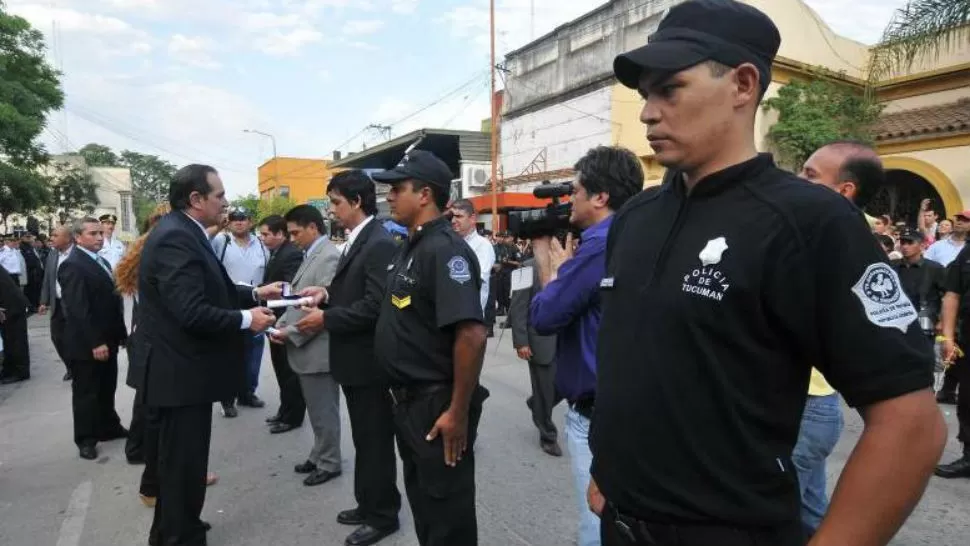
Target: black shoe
column 88, row 452
column 206, row 525
column 280, row 428
column 251, row 401
column 10, row 379
column 118, row 434
column 273, row 419
column 68, row 376
column 351, row 517
column 946, row 398
column 135, row 458
column 551, row 448
column 229, row 411
column 305, row 468
column 959, row 468
column 320, row 477
column 365, row 535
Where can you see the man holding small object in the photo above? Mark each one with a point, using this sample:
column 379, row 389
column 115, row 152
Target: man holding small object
column 309, row 352
column 193, row 328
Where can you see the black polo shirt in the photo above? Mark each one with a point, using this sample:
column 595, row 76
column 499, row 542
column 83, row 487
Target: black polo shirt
column 958, row 282
column 716, row 305
column 433, row 283
column 923, row 281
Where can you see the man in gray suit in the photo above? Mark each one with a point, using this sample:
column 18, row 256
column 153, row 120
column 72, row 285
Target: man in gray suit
column 50, row 290
column 540, row 352
column 309, row 353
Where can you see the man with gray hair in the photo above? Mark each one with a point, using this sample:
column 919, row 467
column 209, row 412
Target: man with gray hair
column 464, row 220
column 95, row 312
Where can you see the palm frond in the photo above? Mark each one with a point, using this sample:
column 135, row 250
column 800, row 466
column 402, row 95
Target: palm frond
column 924, row 28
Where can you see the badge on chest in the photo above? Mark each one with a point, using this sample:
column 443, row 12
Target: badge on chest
column 707, row 280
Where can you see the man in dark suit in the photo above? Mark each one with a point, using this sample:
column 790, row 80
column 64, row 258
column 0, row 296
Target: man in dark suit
column 191, row 327
column 13, row 328
column 50, row 292
column 95, row 312
column 539, row 351
column 350, row 314
column 285, row 260
column 35, row 269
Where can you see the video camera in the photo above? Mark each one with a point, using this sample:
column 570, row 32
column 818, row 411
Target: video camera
column 553, row 220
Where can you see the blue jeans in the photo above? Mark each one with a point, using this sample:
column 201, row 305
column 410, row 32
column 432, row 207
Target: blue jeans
column 254, row 357
column 819, row 432
column 577, row 442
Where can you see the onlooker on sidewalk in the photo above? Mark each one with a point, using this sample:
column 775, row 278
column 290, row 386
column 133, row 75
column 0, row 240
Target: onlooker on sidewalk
column 50, row 292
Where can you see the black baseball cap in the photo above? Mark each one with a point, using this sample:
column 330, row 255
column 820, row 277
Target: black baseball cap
column 418, row 165
column 695, row 31
column 912, row 234
column 239, row 213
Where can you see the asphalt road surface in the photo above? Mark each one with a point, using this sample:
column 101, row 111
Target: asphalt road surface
column 51, row 497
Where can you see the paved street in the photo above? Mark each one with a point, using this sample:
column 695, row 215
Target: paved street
column 49, row 496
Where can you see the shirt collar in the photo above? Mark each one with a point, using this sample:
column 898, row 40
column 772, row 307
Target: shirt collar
column 430, row 227
column 719, row 181
column 93, row 255
column 67, row 252
column 198, row 223
column 599, row 229
column 356, row 231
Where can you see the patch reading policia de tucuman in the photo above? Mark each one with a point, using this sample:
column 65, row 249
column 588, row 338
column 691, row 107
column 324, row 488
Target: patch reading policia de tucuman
column 885, row 303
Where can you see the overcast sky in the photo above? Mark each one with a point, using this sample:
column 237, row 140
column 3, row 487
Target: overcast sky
column 183, row 78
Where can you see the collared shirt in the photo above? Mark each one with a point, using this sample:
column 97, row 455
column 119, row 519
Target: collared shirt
column 432, row 285
column 716, row 302
column 247, row 316
column 569, row 306
column 924, row 282
column 485, row 253
column 61, row 256
column 11, row 260
column 98, row 259
column 944, row 251
column 112, row 250
column 245, row 265
column 352, row 236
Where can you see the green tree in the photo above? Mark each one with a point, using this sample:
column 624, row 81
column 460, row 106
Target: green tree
column 249, row 202
column 29, row 89
column 73, row 192
column 813, row 113
column 274, row 205
column 921, row 29
column 98, row 155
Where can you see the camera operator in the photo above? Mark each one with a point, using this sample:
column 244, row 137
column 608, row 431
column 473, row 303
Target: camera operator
column 569, row 305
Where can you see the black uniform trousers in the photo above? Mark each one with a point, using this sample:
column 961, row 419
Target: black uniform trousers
column 442, row 498
column 375, row 464
column 962, row 365
column 951, row 378
column 184, row 434
column 58, row 325
column 623, row 531
column 149, row 450
column 292, row 405
column 16, row 349
column 544, row 398
column 93, row 399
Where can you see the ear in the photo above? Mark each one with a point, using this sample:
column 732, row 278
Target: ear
column 848, row 190
column 601, row 199
column 747, row 81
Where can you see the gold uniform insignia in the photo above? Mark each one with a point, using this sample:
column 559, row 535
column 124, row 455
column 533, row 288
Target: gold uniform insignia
column 400, row 303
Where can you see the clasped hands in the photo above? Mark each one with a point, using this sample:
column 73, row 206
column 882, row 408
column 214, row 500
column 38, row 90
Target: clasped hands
column 313, row 319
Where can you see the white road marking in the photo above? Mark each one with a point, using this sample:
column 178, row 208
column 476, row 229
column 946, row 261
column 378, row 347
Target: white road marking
column 77, row 511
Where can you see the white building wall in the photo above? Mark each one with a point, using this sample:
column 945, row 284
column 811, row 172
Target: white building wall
column 565, row 130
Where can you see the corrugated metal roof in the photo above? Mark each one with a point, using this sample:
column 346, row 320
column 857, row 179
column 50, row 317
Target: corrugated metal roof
column 452, row 146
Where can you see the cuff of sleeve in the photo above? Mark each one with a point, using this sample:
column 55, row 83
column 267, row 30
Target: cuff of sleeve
column 247, row 320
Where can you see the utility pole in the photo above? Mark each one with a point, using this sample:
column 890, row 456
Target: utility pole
column 276, row 162
column 494, row 125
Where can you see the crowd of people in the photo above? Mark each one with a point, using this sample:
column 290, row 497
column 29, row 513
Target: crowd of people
column 703, row 333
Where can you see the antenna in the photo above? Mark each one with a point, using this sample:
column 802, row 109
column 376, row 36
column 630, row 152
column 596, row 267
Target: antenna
column 383, row 130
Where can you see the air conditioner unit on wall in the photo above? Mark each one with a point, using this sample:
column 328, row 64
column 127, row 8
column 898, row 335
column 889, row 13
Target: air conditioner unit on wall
column 476, row 176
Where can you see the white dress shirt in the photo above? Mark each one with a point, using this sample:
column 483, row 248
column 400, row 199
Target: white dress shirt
column 354, row 233
column 485, row 253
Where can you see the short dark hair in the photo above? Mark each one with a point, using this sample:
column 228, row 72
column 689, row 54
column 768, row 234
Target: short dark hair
column 304, row 215
column 465, row 206
column 188, row 179
column 439, row 195
column 612, row 170
column 862, row 167
column 356, row 185
column 275, row 223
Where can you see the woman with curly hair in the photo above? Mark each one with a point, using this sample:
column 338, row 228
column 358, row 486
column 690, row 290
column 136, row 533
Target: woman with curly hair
column 141, row 446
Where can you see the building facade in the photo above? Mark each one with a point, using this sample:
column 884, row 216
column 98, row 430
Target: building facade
column 562, row 99
column 300, row 179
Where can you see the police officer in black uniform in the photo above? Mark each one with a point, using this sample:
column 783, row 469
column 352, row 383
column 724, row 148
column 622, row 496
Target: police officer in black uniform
column 431, row 339
column 923, row 281
column 720, row 293
column 956, row 332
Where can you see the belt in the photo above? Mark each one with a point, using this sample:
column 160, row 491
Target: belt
column 584, row 406
column 653, row 533
column 406, row 393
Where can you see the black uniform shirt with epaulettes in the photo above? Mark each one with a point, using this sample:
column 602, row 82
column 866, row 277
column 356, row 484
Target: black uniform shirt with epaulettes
column 433, row 284
column 717, row 302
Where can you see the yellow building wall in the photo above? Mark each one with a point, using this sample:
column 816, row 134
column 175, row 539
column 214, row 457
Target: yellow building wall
column 947, row 169
column 306, row 178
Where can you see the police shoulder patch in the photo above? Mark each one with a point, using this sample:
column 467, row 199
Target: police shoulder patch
column 882, row 297
column 458, row 270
